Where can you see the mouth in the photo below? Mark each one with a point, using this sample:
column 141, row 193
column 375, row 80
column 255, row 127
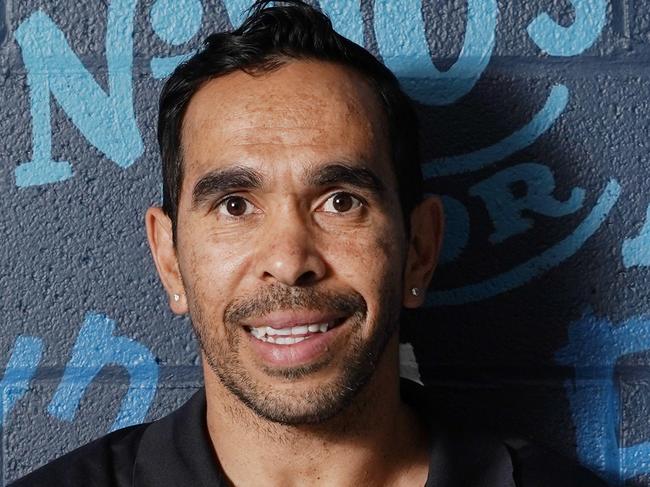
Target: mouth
column 295, row 338
column 291, row 335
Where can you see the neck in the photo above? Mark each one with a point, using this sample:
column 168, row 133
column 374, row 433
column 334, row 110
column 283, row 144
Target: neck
column 376, row 440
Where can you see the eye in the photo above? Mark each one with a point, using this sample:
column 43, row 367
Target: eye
column 235, row 206
column 341, row 203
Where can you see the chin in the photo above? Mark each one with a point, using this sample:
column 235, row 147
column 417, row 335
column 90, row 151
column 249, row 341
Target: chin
column 301, row 395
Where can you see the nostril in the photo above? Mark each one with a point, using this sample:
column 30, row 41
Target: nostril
column 306, row 278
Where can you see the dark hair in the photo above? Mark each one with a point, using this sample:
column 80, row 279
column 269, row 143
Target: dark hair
column 268, row 38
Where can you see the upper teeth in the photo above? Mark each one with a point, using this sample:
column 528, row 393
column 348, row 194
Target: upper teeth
column 263, row 331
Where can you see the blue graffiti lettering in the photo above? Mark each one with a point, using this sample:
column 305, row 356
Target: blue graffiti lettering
column 107, row 121
column 456, row 233
column 548, row 259
column 96, row 346
column 23, row 361
column 636, row 251
column 552, row 38
column 237, row 10
column 518, row 140
column 594, row 348
column 346, row 18
column 506, row 210
column 405, row 50
column 161, row 67
column 176, row 22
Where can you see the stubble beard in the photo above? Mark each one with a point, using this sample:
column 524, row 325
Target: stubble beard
column 286, row 406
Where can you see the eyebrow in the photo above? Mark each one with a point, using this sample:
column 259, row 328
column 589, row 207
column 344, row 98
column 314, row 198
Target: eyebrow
column 340, row 173
column 220, row 181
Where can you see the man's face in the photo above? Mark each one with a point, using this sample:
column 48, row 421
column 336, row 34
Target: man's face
column 290, row 241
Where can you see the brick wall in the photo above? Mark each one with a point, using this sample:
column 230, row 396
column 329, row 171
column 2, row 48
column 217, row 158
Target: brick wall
column 534, row 131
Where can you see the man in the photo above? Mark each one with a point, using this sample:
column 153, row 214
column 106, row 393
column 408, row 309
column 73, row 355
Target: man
column 293, row 230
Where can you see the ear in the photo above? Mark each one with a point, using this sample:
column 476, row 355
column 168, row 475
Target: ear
column 161, row 243
column 427, row 227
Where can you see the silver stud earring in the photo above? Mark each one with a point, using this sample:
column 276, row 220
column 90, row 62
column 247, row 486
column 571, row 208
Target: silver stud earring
column 415, row 291
column 177, row 297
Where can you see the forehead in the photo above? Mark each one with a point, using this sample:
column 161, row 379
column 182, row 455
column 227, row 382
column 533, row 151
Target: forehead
column 305, row 109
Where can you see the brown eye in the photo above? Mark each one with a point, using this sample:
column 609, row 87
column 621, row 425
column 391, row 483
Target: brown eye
column 235, row 206
column 341, row 203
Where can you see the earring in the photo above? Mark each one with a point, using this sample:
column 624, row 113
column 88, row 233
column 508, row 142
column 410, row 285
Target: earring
column 177, row 297
column 415, row 291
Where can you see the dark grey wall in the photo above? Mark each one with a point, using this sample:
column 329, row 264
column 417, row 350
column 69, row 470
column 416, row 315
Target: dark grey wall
column 535, row 128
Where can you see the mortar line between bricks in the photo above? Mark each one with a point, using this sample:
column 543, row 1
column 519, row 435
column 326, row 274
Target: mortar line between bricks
column 184, row 372
column 506, row 68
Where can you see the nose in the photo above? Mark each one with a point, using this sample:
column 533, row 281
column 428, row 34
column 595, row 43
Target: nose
column 288, row 253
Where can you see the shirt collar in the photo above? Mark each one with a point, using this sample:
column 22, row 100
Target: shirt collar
column 177, row 451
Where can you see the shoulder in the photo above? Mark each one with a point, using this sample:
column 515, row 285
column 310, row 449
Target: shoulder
column 472, row 458
column 107, row 461
column 462, row 456
column 534, row 466
column 168, row 451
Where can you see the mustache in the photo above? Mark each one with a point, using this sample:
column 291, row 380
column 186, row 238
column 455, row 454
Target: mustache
column 277, row 298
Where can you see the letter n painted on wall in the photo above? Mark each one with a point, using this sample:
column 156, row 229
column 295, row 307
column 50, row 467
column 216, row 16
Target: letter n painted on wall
column 107, row 120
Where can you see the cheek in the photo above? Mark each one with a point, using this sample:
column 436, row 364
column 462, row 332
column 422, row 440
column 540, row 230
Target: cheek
column 211, row 270
column 371, row 262
column 375, row 271
column 387, row 265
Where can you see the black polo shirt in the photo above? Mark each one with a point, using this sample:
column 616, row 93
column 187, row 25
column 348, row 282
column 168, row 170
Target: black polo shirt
column 176, row 451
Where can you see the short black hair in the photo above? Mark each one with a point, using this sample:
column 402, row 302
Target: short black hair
column 270, row 37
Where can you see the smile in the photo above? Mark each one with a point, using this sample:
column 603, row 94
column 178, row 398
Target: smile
column 294, row 338
column 289, row 336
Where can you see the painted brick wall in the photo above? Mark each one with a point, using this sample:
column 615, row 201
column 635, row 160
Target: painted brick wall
column 535, row 126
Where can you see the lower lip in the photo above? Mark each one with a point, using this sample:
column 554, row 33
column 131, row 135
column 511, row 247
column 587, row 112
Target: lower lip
column 295, row 354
